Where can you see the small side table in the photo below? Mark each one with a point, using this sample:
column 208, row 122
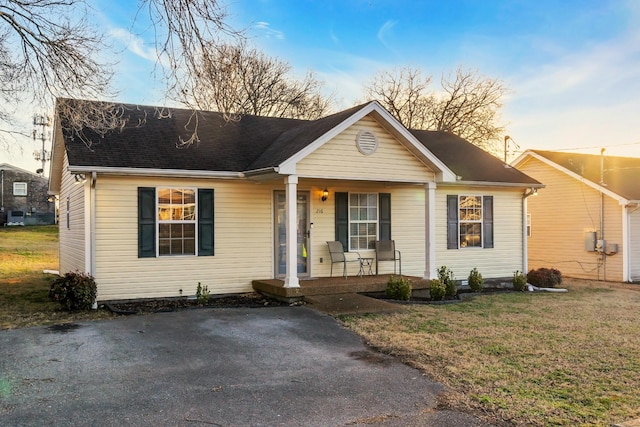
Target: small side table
column 365, row 267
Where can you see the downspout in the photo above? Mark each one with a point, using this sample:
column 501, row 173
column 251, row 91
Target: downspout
column 94, row 177
column 525, row 241
column 603, row 249
column 2, row 187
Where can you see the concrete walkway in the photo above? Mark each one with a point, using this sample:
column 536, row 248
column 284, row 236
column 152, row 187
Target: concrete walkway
column 281, row 366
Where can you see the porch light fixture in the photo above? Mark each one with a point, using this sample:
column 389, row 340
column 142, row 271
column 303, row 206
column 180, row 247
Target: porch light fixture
column 325, row 195
column 530, row 192
column 79, row 178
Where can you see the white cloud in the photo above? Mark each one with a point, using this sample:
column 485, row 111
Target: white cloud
column 385, row 31
column 587, row 98
column 268, row 32
column 135, row 44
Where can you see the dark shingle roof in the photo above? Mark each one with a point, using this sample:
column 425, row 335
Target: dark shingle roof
column 252, row 143
column 467, row 161
column 228, row 146
column 621, row 174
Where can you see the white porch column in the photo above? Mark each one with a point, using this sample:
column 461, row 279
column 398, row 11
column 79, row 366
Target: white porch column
column 430, row 231
column 291, row 213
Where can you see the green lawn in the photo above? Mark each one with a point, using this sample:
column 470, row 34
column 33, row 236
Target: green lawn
column 24, row 253
column 527, row 359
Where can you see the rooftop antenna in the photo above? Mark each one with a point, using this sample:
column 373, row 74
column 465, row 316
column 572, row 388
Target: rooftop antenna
column 506, row 146
column 41, row 121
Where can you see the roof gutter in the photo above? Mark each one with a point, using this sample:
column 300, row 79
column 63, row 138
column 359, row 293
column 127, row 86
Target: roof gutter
column 157, row 172
column 490, row 184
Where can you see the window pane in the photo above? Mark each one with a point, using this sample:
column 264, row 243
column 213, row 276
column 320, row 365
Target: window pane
column 189, row 246
column 189, row 197
column 164, row 196
column 163, row 231
column 372, row 229
column 353, row 213
column 363, row 200
column 163, row 247
column 189, row 231
column 373, row 214
column 176, row 247
column 353, row 199
column 372, row 243
column 362, row 230
column 176, row 231
column 373, row 200
column 354, row 229
column 363, row 214
column 354, row 243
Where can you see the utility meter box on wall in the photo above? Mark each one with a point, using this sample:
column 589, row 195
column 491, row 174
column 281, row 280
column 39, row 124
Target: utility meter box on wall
column 590, row 241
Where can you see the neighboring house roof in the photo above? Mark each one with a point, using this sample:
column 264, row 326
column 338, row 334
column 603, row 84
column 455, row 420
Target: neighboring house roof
column 256, row 143
column 7, row 167
column 621, row 175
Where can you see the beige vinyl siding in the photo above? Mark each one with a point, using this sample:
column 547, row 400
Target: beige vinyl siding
column 72, row 235
column 340, row 158
column 407, row 227
column 243, row 242
column 634, row 230
column 561, row 214
column 506, row 255
column 244, row 246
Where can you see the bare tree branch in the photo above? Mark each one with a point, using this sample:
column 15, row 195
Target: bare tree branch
column 469, row 104
column 237, row 80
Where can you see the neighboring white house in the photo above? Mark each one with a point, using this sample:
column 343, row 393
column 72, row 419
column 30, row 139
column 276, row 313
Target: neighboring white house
column 586, row 222
column 259, row 198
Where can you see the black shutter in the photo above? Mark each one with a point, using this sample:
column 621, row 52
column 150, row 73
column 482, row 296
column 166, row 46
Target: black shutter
column 385, row 216
column 205, row 222
column 487, row 221
column 146, row 222
column 342, row 219
column 452, row 222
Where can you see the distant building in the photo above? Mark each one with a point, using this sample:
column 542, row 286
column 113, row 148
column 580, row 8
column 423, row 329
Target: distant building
column 24, row 198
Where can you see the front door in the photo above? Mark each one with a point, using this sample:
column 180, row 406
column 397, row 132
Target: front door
column 280, row 232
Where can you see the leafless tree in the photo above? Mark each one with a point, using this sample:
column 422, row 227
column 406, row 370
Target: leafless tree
column 236, row 80
column 49, row 49
column 468, row 104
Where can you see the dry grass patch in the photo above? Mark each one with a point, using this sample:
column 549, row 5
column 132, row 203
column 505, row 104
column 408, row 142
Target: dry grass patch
column 24, row 253
column 531, row 359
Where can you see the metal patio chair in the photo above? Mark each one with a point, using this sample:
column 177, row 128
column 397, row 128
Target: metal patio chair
column 337, row 253
column 386, row 251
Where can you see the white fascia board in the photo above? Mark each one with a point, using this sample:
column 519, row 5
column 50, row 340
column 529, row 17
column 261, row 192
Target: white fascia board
column 489, row 184
column 157, row 172
column 288, row 166
column 588, row 183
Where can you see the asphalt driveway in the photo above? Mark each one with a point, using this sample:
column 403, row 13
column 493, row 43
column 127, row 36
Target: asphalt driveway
column 282, row 366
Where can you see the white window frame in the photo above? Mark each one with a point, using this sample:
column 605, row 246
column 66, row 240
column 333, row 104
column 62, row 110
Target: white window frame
column 20, row 189
column 528, row 225
column 364, row 221
column 462, row 244
column 160, row 222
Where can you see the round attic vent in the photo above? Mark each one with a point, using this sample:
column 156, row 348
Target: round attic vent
column 366, row 142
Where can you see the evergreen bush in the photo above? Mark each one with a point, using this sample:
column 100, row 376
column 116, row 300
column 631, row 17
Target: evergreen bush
column 74, row 291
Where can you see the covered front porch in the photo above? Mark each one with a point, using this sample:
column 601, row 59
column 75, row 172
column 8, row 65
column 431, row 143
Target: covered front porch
column 329, row 286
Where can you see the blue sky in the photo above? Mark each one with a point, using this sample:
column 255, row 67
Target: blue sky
column 573, row 67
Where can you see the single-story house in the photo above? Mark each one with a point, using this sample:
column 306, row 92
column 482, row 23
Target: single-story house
column 23, row 197
column 586, row 222
column 260, row 197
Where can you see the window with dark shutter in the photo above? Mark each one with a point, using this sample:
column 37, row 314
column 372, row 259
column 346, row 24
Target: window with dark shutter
column 342, row 219
column 146, row 222
column 385, row 216
column 487, row 221
column 205, row 222
column 469, row 221
column 452, row 222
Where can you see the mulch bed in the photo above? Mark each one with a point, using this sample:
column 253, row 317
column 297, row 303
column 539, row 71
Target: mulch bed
column 248, row 300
